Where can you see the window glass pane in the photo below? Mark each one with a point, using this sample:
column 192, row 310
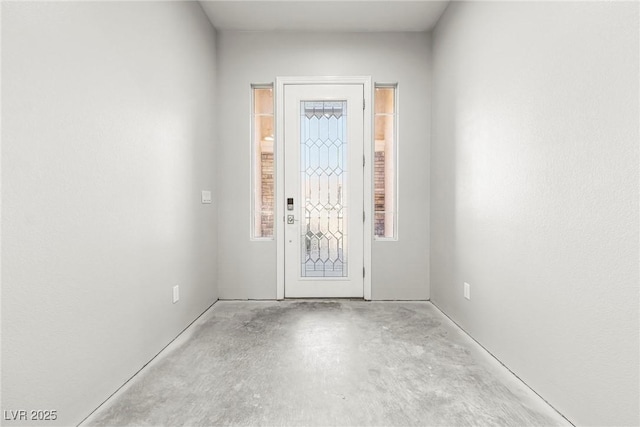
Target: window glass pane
column 263, row 182
column 384, row 163
column 385, row 100
column 263, row 100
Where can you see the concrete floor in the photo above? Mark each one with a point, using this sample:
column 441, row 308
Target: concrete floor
column 314, row 363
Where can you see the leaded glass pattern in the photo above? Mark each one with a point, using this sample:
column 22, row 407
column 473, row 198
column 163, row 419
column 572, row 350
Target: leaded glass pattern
column 323, row 183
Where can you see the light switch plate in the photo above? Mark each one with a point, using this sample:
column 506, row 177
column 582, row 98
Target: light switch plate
column 206, row 196
column 467, row 290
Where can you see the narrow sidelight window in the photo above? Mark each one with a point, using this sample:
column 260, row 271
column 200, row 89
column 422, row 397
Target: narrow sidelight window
column 262, row 162
column 385, row 162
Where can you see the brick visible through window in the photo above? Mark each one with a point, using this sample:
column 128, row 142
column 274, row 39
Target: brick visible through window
column 266, row 217
column 378, row 194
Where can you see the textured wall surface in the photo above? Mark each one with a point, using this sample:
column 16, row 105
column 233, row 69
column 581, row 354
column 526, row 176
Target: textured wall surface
column 534, row 191
column 107, row 140
column 247, row 269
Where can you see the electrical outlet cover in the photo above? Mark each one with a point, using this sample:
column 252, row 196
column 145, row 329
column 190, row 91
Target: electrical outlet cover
column 176, row 294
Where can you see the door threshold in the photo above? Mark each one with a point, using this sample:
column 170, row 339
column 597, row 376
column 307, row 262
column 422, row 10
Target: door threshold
column 325, row 298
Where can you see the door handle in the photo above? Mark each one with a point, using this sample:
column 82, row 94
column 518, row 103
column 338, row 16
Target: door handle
column 290, row 219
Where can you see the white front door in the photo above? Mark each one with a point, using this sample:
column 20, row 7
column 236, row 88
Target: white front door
column 323, row 173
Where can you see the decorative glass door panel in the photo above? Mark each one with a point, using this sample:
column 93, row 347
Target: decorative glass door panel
column 323, row 176
column 323, row 145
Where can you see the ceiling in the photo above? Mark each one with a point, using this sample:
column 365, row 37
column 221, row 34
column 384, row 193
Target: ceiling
column 324, row 15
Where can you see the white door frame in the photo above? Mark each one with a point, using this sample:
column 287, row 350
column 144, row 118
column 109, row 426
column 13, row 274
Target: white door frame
column 365, row 81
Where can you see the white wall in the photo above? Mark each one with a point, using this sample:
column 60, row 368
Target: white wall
column 107, row 140
column 535, row 195
column 247, row 269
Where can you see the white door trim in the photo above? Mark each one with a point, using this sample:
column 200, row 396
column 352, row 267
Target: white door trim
column 368, row 189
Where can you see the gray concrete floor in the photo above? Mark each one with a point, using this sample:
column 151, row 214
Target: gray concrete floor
column 325, row 363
